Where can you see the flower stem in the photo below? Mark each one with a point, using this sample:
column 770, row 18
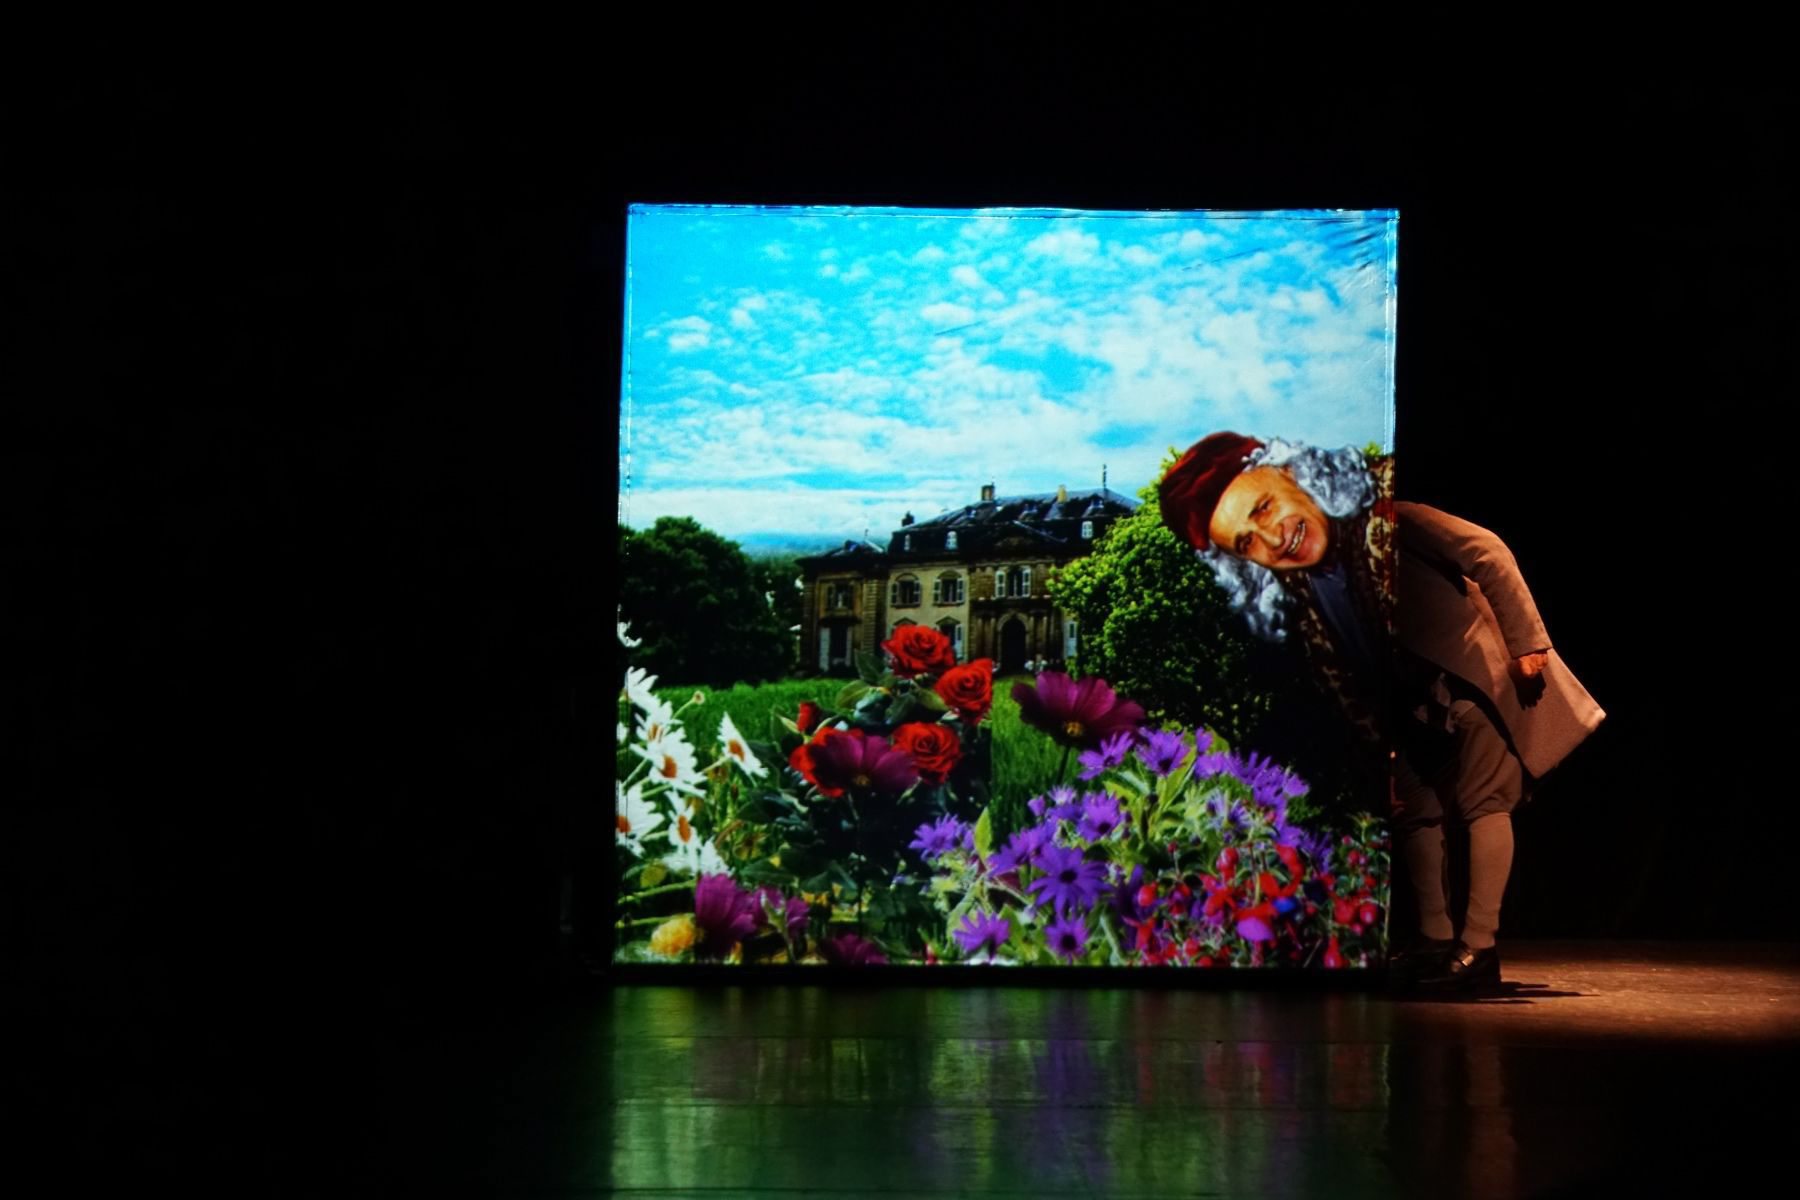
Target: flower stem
column 637, row 921
column 656, row 891
column 1062, row 768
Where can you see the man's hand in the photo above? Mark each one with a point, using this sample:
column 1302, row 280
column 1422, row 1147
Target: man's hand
column 1527, row 673
column 1528, row 666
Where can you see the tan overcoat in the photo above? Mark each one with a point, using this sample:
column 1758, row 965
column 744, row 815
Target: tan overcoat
column 1463, row 607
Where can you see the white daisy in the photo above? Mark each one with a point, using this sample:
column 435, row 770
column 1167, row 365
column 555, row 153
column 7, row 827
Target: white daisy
column 692, row 854
column 638, row 685
column 672, row 762
column 622, row 734
column 625, row 638
column 636, row 817
column 657, row 721
column 737, row 749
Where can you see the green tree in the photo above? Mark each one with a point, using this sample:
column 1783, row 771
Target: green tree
column 776, row 576
column 1155, row 624
column 694, row 599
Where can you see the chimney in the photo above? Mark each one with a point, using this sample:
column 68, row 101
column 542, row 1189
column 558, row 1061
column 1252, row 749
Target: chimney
column 987, row 493
column 906, row 520
column 1062, row 494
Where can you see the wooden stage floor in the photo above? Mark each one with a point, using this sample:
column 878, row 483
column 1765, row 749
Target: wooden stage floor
column 1651, row 1067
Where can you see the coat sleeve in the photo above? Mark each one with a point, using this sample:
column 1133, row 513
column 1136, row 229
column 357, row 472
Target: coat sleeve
column 1457, row 545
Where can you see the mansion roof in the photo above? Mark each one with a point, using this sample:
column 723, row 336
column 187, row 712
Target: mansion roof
column 1048, row 522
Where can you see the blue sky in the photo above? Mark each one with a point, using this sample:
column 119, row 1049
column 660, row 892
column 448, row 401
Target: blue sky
column 822, row 371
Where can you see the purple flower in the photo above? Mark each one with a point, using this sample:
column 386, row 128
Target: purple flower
column 1082, row 712
column 936, row 840
column 1111, row 753
column 1068, row 937
column 1125, row 899
column 1068, row 880
column 851, row 950
column 857, row 760
column 1058, row 805
column 1317, row 848
column 1101, row 816
column 980, row 929
column 791, row 910
column 1163, row 752
column 1255, row 929
column 1227, row 813
column 1021, row 849
column 1203, row 740
column 725, row 913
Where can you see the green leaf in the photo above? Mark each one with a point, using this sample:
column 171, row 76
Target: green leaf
column 1123, row 791
column 653, row 874
column 984, row 834
column 803, row 861
column 869, row 668
column 849, row 696
column 931, row 701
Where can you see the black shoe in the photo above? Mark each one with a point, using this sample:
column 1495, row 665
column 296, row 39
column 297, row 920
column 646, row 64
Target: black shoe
column 1426, row 956
column 1466, row 971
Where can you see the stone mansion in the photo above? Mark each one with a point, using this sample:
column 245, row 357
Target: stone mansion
column 978, row 574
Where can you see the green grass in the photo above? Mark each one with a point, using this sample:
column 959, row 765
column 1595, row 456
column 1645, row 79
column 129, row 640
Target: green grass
column 1025, row 761
column 753, row 709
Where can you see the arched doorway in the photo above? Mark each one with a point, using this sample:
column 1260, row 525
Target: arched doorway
column 1012, row 646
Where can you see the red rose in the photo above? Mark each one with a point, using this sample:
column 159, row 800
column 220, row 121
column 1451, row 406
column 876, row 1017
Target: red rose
column 809, row 716
column 916, row 648
column 969, row 689
column 935, row 749
column 801, row 759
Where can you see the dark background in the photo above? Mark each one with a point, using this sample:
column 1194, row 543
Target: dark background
column 309, row 485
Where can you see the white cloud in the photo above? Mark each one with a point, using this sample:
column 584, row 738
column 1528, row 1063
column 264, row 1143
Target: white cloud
column 946, row 315
column 742, row 315
column 687, row 333
column 982, row 229
column 828, row 253
column 1136, row 256
column 929, row 254
column 859, row 270
column 1070, row 245
column 968, row 277
column 829, row 270
column 776, row 251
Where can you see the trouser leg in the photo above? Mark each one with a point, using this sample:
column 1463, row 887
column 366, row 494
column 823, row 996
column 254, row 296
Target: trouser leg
column 1489, row 785
column 1422, row 843
column 1490, row 863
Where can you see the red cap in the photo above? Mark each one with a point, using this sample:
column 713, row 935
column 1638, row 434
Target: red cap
column 1190, row 490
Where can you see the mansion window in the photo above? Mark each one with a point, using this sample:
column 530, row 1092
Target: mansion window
column 906, row 541
column 1012, row 581
column 952, row 629
column 838, row 595
column 1087, row 530
column 904, row 592
column 947, row 589
column 950, row 540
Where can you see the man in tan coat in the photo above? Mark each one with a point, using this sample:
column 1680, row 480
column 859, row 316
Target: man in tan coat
column 1479, row 702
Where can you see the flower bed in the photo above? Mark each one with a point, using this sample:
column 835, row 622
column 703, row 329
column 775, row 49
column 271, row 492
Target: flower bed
column 865, row 834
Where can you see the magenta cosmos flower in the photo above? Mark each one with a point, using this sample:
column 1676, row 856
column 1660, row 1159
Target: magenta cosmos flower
column 863, row 762
column 1076, row 712
column 725, row 913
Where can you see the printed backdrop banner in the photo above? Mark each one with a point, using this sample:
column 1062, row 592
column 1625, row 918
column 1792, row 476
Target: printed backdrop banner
column 1005, row 587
